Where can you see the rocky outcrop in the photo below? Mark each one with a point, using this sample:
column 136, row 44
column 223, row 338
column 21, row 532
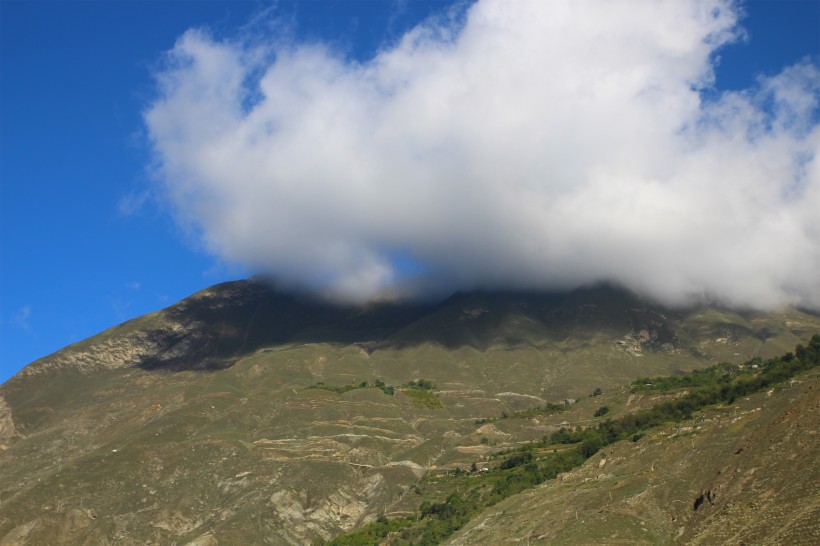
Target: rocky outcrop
column 117, row 351
column 8, row 431
column 344, row 509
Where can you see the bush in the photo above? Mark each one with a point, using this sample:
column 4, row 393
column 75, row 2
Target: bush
column 516, row 460
column 422, row 385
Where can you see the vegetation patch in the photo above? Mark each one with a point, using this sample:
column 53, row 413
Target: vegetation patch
column 600, row 412
column 341, row 389
column 539, row 411
column 373, row 533
column 421, row 386
column 528, row 466
column 423, row 398
column 722, row 373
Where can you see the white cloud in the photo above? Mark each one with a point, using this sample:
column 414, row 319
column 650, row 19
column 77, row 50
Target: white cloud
column 533, row 144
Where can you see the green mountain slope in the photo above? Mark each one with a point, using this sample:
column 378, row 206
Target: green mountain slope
column 740, row 474
column 198, row 424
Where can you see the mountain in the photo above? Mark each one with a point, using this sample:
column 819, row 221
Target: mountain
column 246, row 415
column 742, row 474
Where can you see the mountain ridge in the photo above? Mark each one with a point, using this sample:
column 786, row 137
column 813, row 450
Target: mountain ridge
column 168, row 337
column 202, row 421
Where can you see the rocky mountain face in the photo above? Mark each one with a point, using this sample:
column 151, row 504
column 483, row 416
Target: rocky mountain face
column 217, row 326
column 242, row 415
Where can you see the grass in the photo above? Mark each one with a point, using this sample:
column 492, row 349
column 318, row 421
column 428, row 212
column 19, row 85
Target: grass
column 423, row 399
column 524, row 468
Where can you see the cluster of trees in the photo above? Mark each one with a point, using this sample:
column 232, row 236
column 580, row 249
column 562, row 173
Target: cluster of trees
column 718, row 390
column 522, row 469
column 547, row 409
column 444, row 518
column 420, row 393
column 751, row 375
column 421, row 384
column 517, row 473
column 720, row 373
column 516, row 460
column 371, row 534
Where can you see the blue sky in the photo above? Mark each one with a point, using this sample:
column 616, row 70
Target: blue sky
column 85, row 242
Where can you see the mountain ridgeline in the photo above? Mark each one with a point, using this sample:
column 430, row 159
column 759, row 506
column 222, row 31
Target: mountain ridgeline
column 245, row 415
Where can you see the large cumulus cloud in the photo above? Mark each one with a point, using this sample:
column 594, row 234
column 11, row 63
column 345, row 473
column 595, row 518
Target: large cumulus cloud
column 516, row 144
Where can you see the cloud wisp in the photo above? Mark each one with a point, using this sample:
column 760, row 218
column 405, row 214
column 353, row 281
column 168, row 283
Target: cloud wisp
column 22, row 318
column 515, row 145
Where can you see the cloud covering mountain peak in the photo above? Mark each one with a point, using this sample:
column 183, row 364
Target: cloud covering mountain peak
column 509, row 145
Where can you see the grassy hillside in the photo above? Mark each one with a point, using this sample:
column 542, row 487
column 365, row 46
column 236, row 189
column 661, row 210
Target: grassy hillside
column 739, row 474
column 198, row 424
column 466, row 493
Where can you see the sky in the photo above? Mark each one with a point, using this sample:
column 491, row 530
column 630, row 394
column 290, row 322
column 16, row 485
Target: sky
column 373, row 149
